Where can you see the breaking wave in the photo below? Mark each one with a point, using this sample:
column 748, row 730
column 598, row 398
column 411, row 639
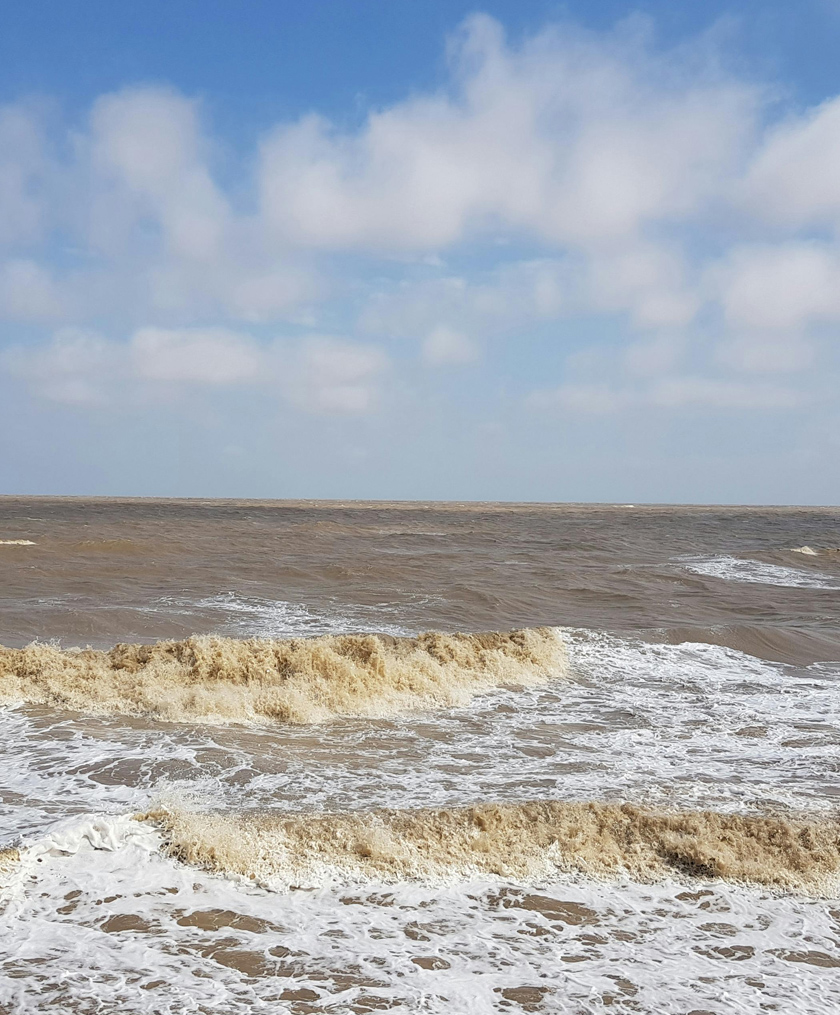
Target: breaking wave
column 737, row 569
column 523, row 840
column 809, row 551
column 298, row 680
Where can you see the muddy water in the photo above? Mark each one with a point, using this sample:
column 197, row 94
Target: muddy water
column 703, row 676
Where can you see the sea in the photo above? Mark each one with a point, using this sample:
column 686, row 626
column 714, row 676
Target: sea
column 306, row 757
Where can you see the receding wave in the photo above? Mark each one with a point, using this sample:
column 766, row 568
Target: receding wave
column 510, row 840
column 779, row 643
column 298, row 680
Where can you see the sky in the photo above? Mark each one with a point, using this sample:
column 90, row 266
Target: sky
column 384, row 249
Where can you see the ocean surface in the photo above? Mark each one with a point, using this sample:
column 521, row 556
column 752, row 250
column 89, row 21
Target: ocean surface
column 448, row 758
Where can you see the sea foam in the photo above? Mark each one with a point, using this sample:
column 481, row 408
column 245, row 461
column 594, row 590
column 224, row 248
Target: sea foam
column 511, row 840
column 298, row 680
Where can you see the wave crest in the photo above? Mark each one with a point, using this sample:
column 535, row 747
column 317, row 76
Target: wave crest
column 299, row 680
column 523, row 840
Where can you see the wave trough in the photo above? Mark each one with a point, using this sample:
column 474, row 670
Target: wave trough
column 523, row 840
column 298, row 680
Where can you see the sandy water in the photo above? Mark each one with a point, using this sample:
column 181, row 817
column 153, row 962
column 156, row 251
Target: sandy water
column 700, row 676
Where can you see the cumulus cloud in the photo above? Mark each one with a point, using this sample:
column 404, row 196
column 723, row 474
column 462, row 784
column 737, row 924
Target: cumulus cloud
column 793, row 179
column 762, row 353
column 566, row 176
column 575, row 140
column 81, row 367
column 147, row 148
column 647, row 280
column 77, row 367
column 781, row 287
column 213, row 356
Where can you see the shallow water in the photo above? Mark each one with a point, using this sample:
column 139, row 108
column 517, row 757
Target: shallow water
column 700, row 677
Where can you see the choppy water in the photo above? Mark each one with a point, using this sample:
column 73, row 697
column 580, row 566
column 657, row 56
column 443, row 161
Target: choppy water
column 704, row 674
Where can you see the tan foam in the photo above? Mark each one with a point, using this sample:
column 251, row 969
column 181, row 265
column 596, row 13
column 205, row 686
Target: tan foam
column 511, row 840
column 9, row 859
column 297, row 680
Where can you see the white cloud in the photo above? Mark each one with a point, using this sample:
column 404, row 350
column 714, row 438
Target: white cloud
column 781, row 287
column 648, row 283
column 570, row 175
column 263, row 295
column 646, row 279
column 23, row 164
column 793, row 180
column 146, row 143
column 654, row 356
column 168, row 232
column 509, row 298
column 28, row 292
column 766, row 352
column 444, row 345
column 322, row 375
column 78, row 367
column 587, row 143
column 213, row 356
column 568, row 137
column 334, row 376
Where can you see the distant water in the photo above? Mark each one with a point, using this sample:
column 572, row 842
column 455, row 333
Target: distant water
column 320, row 831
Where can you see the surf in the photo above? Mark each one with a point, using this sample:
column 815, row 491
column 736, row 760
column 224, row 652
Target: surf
column 296, row 680
column 511, row 840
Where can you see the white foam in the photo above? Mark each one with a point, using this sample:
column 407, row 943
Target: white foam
column 737, row 569
column 253, row 616
column 686, row 725
column 97, row 831
column 124, row 929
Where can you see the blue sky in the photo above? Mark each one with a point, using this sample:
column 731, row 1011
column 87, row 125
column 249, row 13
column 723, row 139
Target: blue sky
column 525, row 251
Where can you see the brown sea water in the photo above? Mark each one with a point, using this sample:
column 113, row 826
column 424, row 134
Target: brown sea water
column 104, row 571
column 305, row 757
